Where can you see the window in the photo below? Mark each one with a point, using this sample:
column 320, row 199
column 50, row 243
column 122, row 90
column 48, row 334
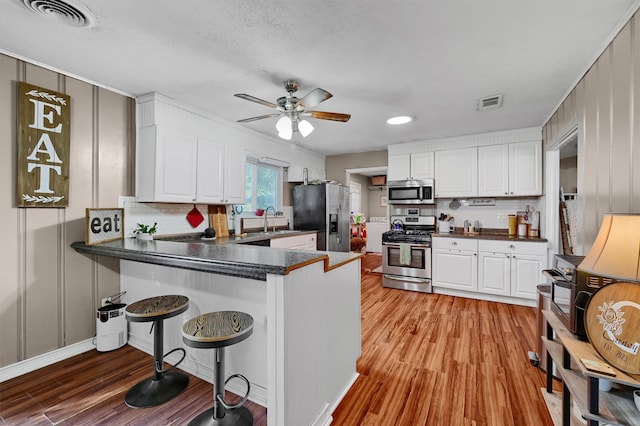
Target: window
column 263, row 183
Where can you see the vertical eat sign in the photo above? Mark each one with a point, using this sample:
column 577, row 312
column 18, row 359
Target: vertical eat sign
column 43, row 147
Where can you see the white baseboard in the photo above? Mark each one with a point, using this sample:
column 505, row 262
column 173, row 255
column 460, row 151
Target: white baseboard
column 28, row 365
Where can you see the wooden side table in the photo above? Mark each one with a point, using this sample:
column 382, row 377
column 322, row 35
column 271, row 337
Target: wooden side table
column 613, row 407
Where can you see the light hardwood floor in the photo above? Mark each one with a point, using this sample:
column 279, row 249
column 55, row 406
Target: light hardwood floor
column 426, row 360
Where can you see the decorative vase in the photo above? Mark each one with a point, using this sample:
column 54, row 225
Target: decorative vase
column 144, row 236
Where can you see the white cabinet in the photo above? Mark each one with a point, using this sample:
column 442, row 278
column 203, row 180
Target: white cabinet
column 455, row 263
column 187, row 169
column 510, row 268
column 456, row 173
column 305, row 241
column 525, row 168
column 510, row 169
column 234, row 175
column 493, row 171
column 410, row 166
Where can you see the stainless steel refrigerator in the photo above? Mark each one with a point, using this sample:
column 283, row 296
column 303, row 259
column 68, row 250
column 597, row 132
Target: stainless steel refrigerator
column 323, row 208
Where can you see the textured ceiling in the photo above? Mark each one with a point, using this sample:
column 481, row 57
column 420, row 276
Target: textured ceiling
column 431, row 60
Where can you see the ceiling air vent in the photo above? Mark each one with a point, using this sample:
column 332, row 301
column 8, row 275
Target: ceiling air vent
column 489, row 102
column 66, row 11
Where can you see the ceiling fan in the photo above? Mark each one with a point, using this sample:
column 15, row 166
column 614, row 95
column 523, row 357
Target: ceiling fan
column 293, row 110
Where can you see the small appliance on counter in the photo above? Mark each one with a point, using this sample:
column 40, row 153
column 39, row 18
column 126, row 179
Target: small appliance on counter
column 571, row 289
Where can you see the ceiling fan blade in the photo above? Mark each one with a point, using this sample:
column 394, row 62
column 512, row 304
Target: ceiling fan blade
column 247, row 120
column 313, row 98
column 256, row 100
column 333, row 116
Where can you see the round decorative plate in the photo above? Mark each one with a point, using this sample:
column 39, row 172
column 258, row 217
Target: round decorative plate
column 612, row 320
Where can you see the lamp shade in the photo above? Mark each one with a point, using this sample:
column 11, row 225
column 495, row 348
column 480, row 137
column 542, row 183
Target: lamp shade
column 616, row 250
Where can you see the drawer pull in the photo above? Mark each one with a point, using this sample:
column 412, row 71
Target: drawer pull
column 511, row 246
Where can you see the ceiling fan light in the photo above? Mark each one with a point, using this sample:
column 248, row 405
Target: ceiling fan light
column 286, row 134
column 305, row 128
column 283, row 125
column 401, row 119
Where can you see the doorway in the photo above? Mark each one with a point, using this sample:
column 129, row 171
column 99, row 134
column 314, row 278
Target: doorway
column 563, row 176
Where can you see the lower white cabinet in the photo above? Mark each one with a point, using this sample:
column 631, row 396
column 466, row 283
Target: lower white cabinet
column 511, row 268
column 305, row 241
column 455, row 263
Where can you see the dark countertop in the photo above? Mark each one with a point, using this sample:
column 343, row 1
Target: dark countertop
column 220, row 256
column 489, row 234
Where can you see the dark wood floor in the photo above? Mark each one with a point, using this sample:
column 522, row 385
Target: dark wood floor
column 426, row 359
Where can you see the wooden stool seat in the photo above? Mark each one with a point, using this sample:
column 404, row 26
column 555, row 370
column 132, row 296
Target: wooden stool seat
column 157, row 308
column 217, row 330
column 165, row 384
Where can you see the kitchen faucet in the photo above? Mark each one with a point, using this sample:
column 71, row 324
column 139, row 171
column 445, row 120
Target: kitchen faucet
column 266, row 217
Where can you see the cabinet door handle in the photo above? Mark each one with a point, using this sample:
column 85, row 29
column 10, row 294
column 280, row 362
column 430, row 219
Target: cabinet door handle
column 511, row 246
column 453, row 243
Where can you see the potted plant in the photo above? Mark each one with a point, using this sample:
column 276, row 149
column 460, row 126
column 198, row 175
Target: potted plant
column 145, row 232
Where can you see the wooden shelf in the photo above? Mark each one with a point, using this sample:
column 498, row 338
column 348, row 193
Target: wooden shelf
column 616, row 407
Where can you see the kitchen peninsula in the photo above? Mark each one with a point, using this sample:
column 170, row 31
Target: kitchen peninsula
column 301, row 358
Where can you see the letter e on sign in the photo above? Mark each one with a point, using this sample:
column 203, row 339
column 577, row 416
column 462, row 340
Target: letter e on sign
column 104, row 225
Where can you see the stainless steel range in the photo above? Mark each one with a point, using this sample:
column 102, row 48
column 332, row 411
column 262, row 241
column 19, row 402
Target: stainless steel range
column 406, row 253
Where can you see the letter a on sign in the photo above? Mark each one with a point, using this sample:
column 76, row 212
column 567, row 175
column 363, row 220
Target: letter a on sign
column 43, row 147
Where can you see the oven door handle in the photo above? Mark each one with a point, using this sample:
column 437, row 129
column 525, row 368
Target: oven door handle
column 412, row 245
column 409, row 279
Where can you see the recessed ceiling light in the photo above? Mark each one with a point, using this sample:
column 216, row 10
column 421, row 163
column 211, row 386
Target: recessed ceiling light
column 401, row 119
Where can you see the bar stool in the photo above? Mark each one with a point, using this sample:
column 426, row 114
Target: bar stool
column 165, row 384
column 217, row 330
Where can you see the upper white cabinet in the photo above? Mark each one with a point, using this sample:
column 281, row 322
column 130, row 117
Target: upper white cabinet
column 187, row 169
column 493, row 170
column 410, row 166
column 234, row 175
column 525, row 168
column 510, row 169
column 184, row 157
column 456, row 173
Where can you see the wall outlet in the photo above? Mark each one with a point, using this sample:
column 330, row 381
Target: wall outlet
column 105, row 301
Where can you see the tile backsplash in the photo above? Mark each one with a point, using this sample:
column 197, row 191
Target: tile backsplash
column 172, row 217
column 495, row 216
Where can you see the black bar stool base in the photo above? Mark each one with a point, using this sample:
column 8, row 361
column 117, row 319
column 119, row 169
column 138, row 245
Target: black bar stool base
column 233, row 417
column 151, row 392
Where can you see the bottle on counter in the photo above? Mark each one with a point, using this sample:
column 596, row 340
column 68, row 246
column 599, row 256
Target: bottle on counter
column 512, row 224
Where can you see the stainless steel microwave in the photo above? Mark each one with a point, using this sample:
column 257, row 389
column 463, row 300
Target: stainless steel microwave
column 412, row 192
